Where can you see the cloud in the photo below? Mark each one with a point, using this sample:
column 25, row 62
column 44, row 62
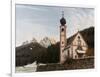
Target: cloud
column 41, row 21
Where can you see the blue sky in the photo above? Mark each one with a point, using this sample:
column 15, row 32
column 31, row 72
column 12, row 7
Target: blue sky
column 40, row 21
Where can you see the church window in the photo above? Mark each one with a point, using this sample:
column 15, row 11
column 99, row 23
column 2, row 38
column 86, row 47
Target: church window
column 79, row 48
column 79, row 44
column 62, row 29
column 75, row 56
column 62, row 42
column 79, row 41
column 78, row 37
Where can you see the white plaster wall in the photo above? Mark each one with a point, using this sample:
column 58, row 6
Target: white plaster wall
column 83, row 43
column 66, row 52
column 75, row 44
column 74, row 52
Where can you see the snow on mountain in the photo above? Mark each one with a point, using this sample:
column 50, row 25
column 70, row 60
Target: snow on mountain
column 45, row 42
column 53, row 41
column 33, row 40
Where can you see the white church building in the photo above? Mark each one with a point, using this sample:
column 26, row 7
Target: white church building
column 74, row 47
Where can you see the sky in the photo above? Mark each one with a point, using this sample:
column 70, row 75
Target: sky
column 35, row 21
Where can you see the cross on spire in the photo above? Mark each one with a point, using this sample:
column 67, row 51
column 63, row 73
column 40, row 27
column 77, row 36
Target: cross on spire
column 62, row 13
column 78, row 28
column 63, row 20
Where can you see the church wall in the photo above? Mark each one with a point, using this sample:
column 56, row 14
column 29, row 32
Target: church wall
column 75, row 42
column 74, row 51
column 72, row 48
column 70, row 52
column 84, row 48
column 65, row 53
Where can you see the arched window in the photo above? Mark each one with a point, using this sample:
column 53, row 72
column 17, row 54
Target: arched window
column 75, row 56
column 62, row 29
column 78, row 37
column 79, row 41
column 62, row 42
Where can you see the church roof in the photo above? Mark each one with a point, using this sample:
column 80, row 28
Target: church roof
column 70, row 39
column 88, row 36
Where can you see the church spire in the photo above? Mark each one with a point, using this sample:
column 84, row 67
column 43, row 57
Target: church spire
column 62, row 14
column 63, row 20
column 63, row 41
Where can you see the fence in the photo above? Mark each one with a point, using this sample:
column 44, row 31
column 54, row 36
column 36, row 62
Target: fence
column 85, row 63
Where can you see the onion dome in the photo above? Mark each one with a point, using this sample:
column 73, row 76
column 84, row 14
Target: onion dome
column 62, row 21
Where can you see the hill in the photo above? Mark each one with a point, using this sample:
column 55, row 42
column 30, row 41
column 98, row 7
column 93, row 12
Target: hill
column 31, row 52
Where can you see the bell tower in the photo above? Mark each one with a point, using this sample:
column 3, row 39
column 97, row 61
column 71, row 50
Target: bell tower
column 62, row 38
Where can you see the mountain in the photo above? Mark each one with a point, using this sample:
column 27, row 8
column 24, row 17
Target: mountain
column 89, row 37
column 46, row 52
column 53, row 41
column 29, row 53
column 33, row 51
column 33, row 40
column 45, row 42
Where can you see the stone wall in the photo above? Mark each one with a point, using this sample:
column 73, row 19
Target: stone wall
column 86, row 63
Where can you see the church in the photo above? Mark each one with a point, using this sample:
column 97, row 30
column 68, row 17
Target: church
column 71, row 48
